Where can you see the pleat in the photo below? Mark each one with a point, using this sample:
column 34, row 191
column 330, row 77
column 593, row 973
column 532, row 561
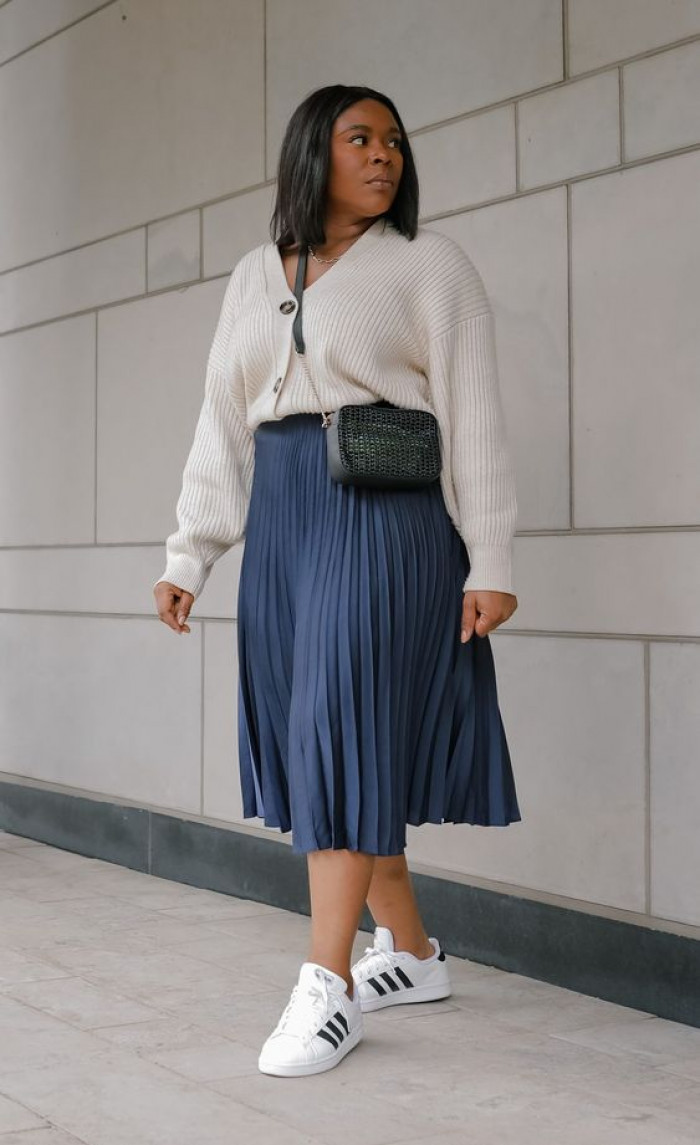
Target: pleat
column 360, row 711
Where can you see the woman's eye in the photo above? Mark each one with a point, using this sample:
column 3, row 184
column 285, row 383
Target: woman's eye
column 354, row 137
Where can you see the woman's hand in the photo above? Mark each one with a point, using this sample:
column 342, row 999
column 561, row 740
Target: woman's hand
column 174, row 605
column 492, row 608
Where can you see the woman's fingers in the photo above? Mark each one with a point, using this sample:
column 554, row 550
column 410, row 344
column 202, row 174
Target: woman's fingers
column 182, row 614
column 468, row 616
column 174, row 605
column 483, row 610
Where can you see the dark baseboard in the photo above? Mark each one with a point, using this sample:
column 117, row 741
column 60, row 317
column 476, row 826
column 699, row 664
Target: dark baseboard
column 636, row 966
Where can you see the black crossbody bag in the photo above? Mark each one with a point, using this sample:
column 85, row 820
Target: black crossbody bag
column 380, row 445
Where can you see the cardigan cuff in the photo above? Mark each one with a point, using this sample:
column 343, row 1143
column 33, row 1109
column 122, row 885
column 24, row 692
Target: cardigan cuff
column 490, row 568
column 186, row 573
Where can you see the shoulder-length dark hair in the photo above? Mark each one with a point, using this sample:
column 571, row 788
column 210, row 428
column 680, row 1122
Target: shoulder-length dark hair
column 300, row 205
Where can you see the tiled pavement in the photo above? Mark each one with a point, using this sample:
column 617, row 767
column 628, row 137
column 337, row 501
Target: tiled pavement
column 132, row 1011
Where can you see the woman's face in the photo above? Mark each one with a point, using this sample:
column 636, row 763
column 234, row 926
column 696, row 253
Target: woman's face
column 365, row 145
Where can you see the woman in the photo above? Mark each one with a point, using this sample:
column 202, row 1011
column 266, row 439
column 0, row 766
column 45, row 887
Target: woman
column 362, row 707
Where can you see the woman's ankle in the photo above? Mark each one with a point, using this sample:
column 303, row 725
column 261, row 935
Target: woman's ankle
column 332, row 964
column 421, row 951
column 420, row 947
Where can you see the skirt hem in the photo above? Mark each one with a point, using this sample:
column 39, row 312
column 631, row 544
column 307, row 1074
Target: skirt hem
column 305, row 848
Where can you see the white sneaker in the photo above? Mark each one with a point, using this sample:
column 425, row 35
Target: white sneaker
column 388, row 977
column 319, row 1025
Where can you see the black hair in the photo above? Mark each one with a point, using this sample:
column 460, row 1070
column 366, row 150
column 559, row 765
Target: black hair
column 300, row 204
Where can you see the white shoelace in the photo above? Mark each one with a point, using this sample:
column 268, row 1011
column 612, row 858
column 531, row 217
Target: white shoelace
column 373, row 960
column 303, row 1008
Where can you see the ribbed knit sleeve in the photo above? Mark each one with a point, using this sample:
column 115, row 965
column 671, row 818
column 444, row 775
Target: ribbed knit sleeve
column 466, row 395
column 213, row 503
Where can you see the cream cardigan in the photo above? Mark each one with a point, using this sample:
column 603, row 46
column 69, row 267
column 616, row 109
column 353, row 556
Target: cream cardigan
column 404, row 320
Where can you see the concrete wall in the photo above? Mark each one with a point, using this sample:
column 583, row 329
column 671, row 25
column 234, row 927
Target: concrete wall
column 560, row 143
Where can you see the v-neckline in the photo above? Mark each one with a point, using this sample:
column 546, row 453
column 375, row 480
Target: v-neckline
column 349, row 256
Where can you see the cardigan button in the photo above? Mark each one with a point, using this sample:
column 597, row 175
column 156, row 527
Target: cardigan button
column 288, row 306
column 277, row 385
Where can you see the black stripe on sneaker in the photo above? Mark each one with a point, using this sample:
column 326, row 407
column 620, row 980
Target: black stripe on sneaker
column 335, row 1030
column 377, row 987
column 404, row 977
column 327, row 1036
column 340, row 1017
column 389, row 980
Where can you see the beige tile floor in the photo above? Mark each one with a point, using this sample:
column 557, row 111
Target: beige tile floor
column 132, row 1011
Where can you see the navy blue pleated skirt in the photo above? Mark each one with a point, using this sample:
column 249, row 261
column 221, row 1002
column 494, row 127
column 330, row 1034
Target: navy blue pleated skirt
column 359, row 709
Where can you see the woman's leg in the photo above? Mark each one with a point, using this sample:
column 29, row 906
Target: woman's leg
column 392, row 903
column 338, row 882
